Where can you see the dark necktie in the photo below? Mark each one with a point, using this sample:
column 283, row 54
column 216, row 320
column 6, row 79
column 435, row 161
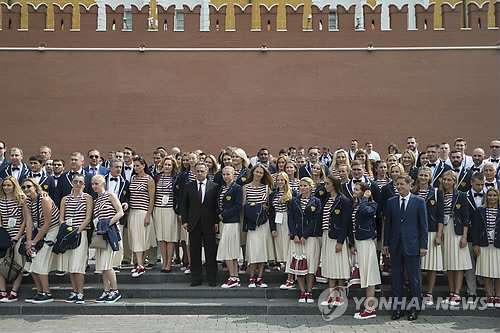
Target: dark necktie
column 478, row 195
column 489, row 184
column 200, row 192
column 74, row 173
column 475, row 169
column 431, row 165
column 15, row 168
column 494, row 160
column 37, row 175
column 457, row 170
column 402, row 206
column 355, row 181
column 112, row 179
column 128, row 168
column 93, row 171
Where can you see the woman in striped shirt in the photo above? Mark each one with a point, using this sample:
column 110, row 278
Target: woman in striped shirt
column 339, row 158
column 211, row 163
column 76, row 212
column 293, row 175
column 165, row 220
column 259, row 242
column 280, row 167
column 486, row 242
column 106, row 206
column 381, row 178
column 42, row 218
column 12, row 200
column 142, row 195
column 362, row 156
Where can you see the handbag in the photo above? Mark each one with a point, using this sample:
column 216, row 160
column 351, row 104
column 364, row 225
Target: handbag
column 98, row 242
column 22, row 245
column 355, row 279
column 298, row 266
column 9, row 268
column 255, row 215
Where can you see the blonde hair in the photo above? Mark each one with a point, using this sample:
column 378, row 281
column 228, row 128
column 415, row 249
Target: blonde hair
column 492, row 189
column 18, row 192
column 287, row 192
column 309, row 182
column 334, row 159
column 213, row 170
column 38, row 188
column 453, row 176
column 296, row 172
column 241, row 154
column 426, row 169
column 281, row 157
column 412, row 157
column 322, row 176
column 172, row 159
column 399, row 166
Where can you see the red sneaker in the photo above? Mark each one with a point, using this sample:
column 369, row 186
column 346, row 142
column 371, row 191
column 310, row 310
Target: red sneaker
column 302, row 298
column 309, row 298
column 138, row 271
column 328, row 301
column 497, row 302
column 251, row 283
column 12, row 297
column 455, row 300
column 365, row 314
column 261, row 283
column 230, row 283
column 287, row 285
column 339, row 301
column 491, row 302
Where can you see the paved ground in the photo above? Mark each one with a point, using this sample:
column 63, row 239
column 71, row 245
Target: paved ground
column 241, row 324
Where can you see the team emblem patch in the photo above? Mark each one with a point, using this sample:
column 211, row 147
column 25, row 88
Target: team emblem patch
column 177, row 186
column 337, row 211
column 243, row 179
column 458, row 206
column 124, row 192
column 313, row 208
column 463, row 184
column 228, row 197
column 45, row 187
column 252, row 204
column 321, row 192
column 433, row 202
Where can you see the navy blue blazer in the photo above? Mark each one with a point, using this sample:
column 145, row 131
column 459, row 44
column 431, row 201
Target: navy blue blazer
column 123, row 193
column 340, row 218
column 410, row 229
column 64, row 186
column 472, row 210
column 241, row 180
column 479, row 234
column 387, row 192
column 305, row 171
column 464, row 180
column 181, row 181
column 5, row 163
column 102, row 170
column 434, row 202
column 366, row 225
column 460, row 212
column 232, row 203
column 153, row 168
column 48, row 184
column 440, row 168
column 304, row 223
column 24, row 172
column 377, row 196
column 321, row 193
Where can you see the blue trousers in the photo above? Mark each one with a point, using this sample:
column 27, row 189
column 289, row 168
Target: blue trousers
column 399, row 260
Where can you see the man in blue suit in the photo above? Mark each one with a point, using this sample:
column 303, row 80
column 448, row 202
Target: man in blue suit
column 4, row 162
column 65, row 182
column 405, row 239
column 94, row 168
column 17, row 168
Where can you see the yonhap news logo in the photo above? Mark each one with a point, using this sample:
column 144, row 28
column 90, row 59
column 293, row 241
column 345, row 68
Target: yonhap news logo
column 332, row 303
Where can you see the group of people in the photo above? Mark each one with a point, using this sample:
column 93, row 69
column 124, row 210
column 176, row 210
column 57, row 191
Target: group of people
column 317, row 213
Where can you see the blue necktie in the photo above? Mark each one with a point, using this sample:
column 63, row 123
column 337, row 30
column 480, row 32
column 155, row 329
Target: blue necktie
column 402, row 206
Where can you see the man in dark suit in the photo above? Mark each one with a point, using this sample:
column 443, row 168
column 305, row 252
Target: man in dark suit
column 94, row 168
column 306, row 170
column 115, row 183
column 65, row 182
column 263, row 159
column 463, row 175
column 405, row 239
column 17, row 168
column 438, row 167
column 41, row 176
column 199, row 217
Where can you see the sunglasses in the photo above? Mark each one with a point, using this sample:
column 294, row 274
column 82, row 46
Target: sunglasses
column 81, row 182
column 494, row 146
column 94, row 156
column 26, row 187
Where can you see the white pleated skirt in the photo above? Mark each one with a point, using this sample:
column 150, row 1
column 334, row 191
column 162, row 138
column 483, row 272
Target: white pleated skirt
column 75, row 261
column 368, row 264
column 454, row 257
column 282, row 240
column 334, row 265
column 258, row 242
column 141, row 237
column 229, row 244
column 166, row 224
column 488, row 262
column 45, row 260
column 311, row 249
column 104, row 259
column 433, row 261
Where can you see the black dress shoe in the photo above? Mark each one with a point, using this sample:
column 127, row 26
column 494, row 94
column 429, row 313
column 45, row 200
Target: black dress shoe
column 195, row 283
column 165, row 270
column 396, row 315
column 412, row 316
column 212, row 284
